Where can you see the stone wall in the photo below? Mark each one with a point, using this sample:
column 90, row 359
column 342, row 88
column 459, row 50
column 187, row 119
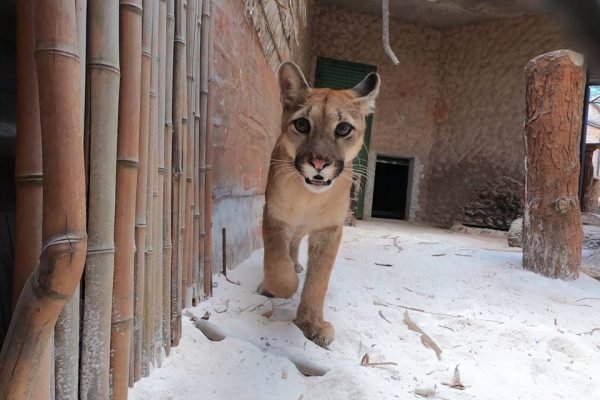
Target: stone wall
column 246, row 124
column 455, row 103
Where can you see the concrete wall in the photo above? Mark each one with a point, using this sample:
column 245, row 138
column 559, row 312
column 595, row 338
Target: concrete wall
column 404, row 121
column 246, row 124
column 455, row 103
column 481, row 109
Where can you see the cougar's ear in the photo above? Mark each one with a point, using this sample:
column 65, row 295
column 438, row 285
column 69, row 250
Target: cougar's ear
column 292, row 83
column 367, row 90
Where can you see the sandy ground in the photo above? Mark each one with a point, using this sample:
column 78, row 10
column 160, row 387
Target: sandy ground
column 513, row 334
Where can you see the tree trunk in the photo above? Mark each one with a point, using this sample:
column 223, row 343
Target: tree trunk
column 590, row 199
column 130, row 53
column 102, row 122
column 54, row 281
column 178, row 135
column 167, row 238
column 552, row 232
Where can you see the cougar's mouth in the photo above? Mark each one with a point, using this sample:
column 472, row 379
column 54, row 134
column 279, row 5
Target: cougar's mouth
column 317, row 181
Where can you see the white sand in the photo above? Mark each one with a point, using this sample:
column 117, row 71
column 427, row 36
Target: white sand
column 515, row 335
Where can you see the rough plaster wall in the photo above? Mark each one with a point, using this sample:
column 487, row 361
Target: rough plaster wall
column 482, row 108
column 246, row 124
column 404, row 121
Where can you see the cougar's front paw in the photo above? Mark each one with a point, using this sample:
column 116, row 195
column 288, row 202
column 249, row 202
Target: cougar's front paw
column 322, row 333
column 280, row 285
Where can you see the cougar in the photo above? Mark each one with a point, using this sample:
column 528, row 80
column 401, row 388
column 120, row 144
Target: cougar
column 308, row 189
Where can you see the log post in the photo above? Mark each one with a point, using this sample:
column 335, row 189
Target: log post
column 552, row 232
column 590, row 201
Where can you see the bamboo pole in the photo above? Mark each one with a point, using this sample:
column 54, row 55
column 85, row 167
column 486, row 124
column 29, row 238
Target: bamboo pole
column 208, row 262
column 178, row 135
column 189, row 169
column 130, row 53
column 160, row 182
column 147, row 352
column 53, row 282
column 197, row 204
column 102, row 122
column 203, row 93
column 167, row 236
column 66, row 332
column 28, row 174
column 141, row 220
column 28, row 155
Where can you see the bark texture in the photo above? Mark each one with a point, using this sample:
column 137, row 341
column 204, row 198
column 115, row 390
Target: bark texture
column 552, row 232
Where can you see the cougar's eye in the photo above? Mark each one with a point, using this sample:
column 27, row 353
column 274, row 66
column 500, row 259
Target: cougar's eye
column 343, row 129
column 302, row 125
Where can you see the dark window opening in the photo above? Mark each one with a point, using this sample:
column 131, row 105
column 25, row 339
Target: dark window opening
column 390, row 191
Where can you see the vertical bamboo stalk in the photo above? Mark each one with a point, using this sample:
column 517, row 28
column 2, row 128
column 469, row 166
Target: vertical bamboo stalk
column 203, row 93
column 28, row 174
column 141, row 221
column 147, row 352
column 208, row 263
column 189, row 169
column 159, row 210
column 130, row 53
column 28, row 155
column 197, row 204
column 167, row 236
column 55, row 279
column 66, row 332
column 178, row 135
column 102, row 120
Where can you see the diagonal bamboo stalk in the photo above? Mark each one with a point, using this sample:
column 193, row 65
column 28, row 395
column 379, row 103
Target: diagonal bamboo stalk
column 28, row 175
column 66, row 332
column 55, row 279
column 159, row 200
column 167, row 238
column 178, row 162
column 189, row 168
column 208, row 151
column 102, row 122
column 141, row 209
column 130, row 53
column 151, row 193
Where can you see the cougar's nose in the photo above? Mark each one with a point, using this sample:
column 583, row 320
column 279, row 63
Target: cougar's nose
column 319, row 163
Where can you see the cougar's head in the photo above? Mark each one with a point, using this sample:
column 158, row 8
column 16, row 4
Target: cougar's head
column 323, row 129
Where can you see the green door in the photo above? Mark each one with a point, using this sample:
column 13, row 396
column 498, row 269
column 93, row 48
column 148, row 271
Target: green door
column 338, row 74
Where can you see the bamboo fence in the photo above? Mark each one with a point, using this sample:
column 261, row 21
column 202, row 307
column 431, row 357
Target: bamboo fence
column 113, row 179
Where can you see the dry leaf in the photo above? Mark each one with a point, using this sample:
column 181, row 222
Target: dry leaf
column 384, row 265
column 455, row 383
column 269, row 314
column 365, row 362
column 425, row 339
column 383, row 316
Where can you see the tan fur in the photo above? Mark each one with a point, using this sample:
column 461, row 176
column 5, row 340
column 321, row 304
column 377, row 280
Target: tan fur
column 294, row 208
